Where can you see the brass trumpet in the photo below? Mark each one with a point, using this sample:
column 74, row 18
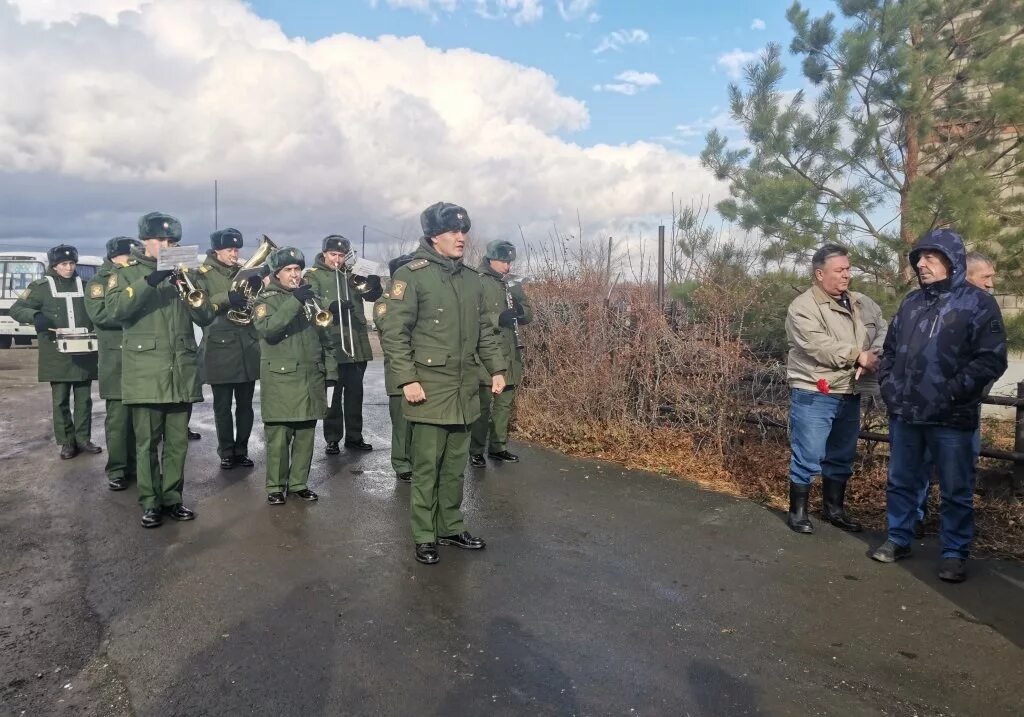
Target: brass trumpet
column 316, row 314
column 189, row 293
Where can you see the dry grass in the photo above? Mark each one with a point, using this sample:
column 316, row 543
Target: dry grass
column 609, row 377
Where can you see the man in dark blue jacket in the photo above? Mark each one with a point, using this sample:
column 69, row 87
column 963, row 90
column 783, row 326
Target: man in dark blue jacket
column 945, row 348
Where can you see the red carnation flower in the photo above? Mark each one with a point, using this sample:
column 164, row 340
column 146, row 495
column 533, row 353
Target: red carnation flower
column 823, row 385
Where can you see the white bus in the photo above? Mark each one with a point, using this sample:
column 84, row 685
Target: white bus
column 18, row 269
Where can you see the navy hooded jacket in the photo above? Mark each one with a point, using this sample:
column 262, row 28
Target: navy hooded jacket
column 945, row 347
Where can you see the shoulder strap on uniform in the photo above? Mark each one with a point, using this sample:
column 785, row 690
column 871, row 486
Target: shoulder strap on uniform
column 417, row 264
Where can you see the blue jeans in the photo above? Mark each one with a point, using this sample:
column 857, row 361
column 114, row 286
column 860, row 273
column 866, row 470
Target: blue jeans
column 953, row 452
column 928, row 470
column 823, row 432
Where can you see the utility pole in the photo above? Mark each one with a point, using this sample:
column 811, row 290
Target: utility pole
column 363, row 252
column 661, row 267
column 216, row 217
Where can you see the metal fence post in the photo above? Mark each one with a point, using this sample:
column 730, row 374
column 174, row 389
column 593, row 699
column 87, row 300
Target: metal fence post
column 1018, row 444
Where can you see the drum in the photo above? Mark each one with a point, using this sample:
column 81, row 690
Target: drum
column 76, row 341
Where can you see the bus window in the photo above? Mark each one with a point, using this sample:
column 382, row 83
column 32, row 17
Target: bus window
column 18, row 275
column 86, row 272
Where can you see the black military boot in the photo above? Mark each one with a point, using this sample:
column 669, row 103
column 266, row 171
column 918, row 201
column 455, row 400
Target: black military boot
column 151, row 518
column 68, row 450
column 404, row 476
column 504, row 456
column 244, row 462
column 833, row 494
column 477, row 460
column 426, row 553
column 798, row 520
column 305, row 494
column 192, row 435
column 90, row 447
column 118, row 483
column 275, row 498
column 227, row 463
column 179, row 512
column 359, row 445
column 462, row 540
column 332, row 448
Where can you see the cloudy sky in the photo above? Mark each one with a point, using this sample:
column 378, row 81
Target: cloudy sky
column 319, row 117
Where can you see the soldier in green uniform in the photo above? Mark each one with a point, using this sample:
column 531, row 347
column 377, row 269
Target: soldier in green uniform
column 231, row 352
column 160, row 375
column 329, row 276
column 505, row 321
column 401, row 429
column 437, row 326
column 296, row 362
column 118, row 422
column 57, row 301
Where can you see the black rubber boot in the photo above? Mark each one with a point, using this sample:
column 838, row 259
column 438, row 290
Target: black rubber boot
column 833, row 494
column 798, row 520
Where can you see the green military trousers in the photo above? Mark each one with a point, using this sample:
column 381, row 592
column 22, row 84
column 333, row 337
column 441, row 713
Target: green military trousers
column 438, row 459
column 233, row 435
column 161, row 474
column 401, row 436
column 492, row 426
column 289, row 454
column 72, row 426
column 345, row 414
column 120, row 440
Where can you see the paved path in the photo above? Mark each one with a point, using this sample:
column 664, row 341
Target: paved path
column 601, row 592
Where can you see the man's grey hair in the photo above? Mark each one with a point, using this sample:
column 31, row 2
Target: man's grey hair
column 976, row 257
column 826, row 252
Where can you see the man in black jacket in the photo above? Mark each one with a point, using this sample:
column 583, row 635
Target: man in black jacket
column 945, row 348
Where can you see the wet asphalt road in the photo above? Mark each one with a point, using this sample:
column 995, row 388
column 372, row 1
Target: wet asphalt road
column 601, row 592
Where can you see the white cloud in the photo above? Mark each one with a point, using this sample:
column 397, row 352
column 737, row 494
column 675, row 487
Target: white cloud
column 522, row 12
column 757, row 24
column 103, row 120
column 630, row 82
column 620, row 38
column 576, row 9
column 734, row 61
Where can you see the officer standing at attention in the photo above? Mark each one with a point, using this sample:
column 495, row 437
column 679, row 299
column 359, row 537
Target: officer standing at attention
column 160, row 375
column 504, row 321
column 401, row 429
column 231, row 352
column 118, row 422
column 436, row 326
column 296, row 362
column 329, row 277
column 57, row 301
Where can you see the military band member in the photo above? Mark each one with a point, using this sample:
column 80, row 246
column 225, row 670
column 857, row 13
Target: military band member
column 296, row 361
column 436, row 327
column 329, row 277
column 57, row 301
column 231, row 351
column 401, row 429
column 490, row 431
column 159, row 375
column 118, row 421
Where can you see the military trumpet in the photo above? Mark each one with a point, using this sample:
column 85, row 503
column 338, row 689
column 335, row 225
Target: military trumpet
column 189, row 293
column 317, row 314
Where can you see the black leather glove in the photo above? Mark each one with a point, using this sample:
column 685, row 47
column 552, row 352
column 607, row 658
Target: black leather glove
column 155, row 277
column 373, row 288
column 41, row 322
column 255, row 282
column 343, row 305
column 237, row 300
column 303, row 293
column 507, row 318
column 517, row 307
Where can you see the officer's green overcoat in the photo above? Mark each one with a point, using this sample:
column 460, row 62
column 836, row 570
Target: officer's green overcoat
column 55, row 367
column 380, row 315
column 159, row 356
column 230, row 351
column 327, row 282
column 436, row 325
column 108, row 332
column 296, row 358
column 495, row 302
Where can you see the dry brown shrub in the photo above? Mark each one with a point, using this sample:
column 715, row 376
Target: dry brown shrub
column 609, row 375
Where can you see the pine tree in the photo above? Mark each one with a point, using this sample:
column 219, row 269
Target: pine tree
column 917, row 122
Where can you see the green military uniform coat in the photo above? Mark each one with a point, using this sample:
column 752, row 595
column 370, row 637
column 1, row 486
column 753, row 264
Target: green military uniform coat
column 490, row 430
column 118, row 421
column 436, row 326
column 159, row 374
column 230, row 360
column 66, row 373
column 401, row 429
column 296, row 362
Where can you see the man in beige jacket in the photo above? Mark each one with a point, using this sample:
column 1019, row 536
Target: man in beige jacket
column 830, row 350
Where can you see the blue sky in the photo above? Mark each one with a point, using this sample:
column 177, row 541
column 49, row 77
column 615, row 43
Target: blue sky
column 685, row 41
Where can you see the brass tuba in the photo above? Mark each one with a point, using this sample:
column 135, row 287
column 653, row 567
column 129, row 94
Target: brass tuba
column 252, row 267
